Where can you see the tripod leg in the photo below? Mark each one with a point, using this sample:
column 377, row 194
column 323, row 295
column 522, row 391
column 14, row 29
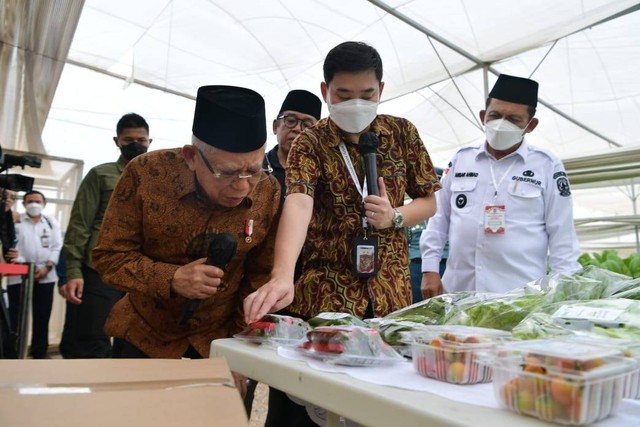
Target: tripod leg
column 7, row 333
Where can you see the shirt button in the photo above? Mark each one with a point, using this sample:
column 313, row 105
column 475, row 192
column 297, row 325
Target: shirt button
column 480, row 268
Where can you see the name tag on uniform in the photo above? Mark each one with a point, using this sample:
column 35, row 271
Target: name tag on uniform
column 494, row 219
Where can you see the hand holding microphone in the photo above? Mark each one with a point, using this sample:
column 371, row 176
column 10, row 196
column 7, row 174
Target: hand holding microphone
column 379, row 212
column 222, row 249
column 368, row 146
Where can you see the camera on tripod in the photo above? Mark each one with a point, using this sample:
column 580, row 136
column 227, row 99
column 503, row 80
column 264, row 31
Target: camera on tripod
column 17, row 182
column 11, row 341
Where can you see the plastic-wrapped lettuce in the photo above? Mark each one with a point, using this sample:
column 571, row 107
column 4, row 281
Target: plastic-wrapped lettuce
column 589, row 283
column 431, row 311
column 539, row 325
column 392, row 331
column 498, row 311
column 623, row 332
column 630, row 290
column 335, row 319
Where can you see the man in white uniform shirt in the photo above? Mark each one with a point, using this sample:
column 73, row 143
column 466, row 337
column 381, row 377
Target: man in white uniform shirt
column 505, row 206
column 39, row 241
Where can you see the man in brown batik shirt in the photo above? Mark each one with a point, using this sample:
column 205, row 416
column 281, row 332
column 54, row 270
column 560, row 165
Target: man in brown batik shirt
column 162, row 215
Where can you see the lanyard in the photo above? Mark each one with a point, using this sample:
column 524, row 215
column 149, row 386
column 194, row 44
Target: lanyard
column 352, row 171
column 493, row 177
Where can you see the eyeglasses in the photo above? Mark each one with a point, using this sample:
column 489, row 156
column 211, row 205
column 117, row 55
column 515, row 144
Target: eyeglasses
column 292, row 121
column 231, row 178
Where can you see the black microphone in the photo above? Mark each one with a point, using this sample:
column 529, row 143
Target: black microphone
column 368, row 146
column 221, row 249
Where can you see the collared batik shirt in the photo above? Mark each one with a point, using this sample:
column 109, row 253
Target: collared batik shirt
column 156, row 222
column 317, row 168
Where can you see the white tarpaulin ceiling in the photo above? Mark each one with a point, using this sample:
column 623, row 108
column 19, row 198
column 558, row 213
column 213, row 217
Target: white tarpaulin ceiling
column 585, row 55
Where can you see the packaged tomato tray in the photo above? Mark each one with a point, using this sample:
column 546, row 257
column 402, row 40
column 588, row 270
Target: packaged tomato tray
column 348, row 345
column 454, row 354
column 275, row 329
column 568, row 383
column 629, row 349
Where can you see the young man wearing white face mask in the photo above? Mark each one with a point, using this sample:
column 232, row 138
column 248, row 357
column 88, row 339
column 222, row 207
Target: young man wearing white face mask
column 505, row 206
column 39, row 241
column 355, row 256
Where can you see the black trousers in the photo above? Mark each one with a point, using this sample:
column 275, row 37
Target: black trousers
column 83, row 335
column 41, row 303
column 125, row 350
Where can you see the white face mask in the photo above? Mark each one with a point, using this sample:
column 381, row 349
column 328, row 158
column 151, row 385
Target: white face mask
column 34, row 209
column 354, row 115
column 501, row 134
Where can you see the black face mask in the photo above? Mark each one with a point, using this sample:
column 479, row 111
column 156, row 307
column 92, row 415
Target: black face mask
column 130, row 151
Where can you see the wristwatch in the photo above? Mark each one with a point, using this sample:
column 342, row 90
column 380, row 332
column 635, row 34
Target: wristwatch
column 398, row 219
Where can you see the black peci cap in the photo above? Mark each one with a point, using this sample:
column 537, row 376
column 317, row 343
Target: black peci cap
column 515, row 89
column 230, row 118
column 302, row 101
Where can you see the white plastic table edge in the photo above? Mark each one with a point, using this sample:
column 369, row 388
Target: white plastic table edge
column 369, row 404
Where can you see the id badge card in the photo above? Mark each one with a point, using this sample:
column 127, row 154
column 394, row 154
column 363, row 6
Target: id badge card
column 494, row 219
column 365, row 256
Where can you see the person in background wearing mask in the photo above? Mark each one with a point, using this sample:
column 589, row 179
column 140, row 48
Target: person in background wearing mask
column 505, row 206
column 39, row 242
column 355, row 256
column 89, row 300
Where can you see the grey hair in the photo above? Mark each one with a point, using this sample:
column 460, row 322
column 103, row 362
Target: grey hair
column 201, row 145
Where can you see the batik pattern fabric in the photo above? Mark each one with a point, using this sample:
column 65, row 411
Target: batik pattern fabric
column 156, row 222
column 316, row 168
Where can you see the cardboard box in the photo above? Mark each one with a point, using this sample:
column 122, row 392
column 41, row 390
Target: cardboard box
column 119, row 392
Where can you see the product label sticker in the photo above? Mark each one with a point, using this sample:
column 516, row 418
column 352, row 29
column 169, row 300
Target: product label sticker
column 590, row 313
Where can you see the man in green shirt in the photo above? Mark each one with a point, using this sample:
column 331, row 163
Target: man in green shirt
column 89, row 300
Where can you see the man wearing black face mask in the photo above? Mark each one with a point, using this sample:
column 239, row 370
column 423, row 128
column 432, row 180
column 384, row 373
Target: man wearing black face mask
column 89, row 300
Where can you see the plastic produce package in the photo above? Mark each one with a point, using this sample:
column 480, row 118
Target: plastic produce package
column 455, row 354
column 629, row 348
column 573, row 384
column 348, row 345
column 394, row 333
column 590, row 283
column 432, row 311
column 497, row 311
column 275, row 329
column 328, row 318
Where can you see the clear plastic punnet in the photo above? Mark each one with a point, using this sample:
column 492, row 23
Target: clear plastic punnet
column 629, row 348
column 275, row 330
column 348, row 345
column 454, row 354
column 568, row 383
